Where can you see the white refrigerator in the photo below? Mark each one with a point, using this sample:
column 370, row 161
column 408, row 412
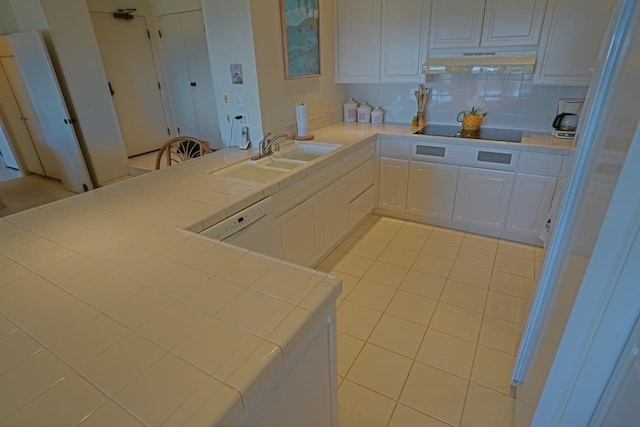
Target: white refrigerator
column 587, row 300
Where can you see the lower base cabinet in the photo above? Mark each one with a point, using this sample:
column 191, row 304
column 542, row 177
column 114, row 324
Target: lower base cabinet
column 392, row 190
column 432, row 190
column 332, row 214
column 482, row 197
column 531, row 200
column 362, row 206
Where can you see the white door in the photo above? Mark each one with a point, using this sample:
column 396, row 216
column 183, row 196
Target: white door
column 482, row 197
column 126, row 53
column 24, row 124
column 432, row 190
column 530, row 204
column 186, row 60
column 392, row 182
column 200, row 68
column 176, row 63
column 42, row 85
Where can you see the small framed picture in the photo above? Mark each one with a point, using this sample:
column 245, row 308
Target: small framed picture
column 236, row 74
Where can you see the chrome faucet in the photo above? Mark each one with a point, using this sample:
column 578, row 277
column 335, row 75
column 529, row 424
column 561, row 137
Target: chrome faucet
column 265, row 145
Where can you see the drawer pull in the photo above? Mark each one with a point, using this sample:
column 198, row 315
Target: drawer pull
column 427, row 150
column 491, row 157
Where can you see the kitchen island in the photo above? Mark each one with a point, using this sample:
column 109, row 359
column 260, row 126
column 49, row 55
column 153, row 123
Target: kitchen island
column 115, row 313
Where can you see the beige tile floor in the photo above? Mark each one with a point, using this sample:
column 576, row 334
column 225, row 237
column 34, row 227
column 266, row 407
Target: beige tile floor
column 429, row 322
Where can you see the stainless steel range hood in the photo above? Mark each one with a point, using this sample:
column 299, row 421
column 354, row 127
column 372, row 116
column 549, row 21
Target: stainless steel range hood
column 480, row 62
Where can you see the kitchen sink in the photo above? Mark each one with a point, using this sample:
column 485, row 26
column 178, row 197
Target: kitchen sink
column 250, row 172
column 288, row 159
column 305, row 151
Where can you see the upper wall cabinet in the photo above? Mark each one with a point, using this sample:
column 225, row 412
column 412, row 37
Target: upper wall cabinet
column 467, row 24
column 382, row 40
column 573, row 33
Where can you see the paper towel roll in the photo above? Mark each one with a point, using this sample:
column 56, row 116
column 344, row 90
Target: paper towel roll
column 302, row 118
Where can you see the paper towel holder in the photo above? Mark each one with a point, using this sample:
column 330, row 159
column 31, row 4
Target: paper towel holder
column 302, row 123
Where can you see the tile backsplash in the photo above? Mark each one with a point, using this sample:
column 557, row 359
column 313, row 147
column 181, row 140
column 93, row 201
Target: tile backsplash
column 510, row 101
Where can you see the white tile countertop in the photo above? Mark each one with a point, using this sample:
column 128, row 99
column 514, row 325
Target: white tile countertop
column 112, row 314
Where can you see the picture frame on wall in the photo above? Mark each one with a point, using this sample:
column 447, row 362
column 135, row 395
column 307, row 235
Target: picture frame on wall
column 301, row 38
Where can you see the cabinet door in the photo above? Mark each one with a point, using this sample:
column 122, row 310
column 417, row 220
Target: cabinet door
column 298, row 235
column 432, row 190
column 571, row 39
column 530, row 203
column 332, row 213
column 512, row 22
column 392, row 182
column 405, row 26
column 482, row 197
column 359, row 41
column 456, row 23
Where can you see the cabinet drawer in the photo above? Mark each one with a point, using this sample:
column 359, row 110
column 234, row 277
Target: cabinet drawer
column 361, row 179
column 362, row 154
column 362, row 206
column 540, row 163
column 395, row 149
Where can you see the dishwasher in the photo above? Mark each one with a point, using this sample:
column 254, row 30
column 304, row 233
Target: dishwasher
column 253, row 228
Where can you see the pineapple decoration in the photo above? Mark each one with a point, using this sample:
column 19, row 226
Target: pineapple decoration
column 471, row 120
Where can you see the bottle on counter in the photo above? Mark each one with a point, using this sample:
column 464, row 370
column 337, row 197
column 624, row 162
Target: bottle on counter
column 364, row 113
column 377, row 116
column 350, row 110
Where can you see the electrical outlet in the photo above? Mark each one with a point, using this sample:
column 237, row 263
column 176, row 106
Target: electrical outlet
column 243, row 120
column 228, row 118
column 226, row 98
column 327, row 106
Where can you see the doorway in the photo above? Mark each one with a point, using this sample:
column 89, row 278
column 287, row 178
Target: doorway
column 125, row 48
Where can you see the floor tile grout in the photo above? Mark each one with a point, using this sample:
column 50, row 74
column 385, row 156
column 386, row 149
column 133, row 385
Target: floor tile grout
column 392, row 232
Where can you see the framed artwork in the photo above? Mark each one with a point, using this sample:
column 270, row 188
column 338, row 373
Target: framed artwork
column 300, row 38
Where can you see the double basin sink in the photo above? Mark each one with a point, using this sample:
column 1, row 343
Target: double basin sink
column 289, row 158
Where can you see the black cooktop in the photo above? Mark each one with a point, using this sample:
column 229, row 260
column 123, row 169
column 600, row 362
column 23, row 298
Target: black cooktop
column 504, row 135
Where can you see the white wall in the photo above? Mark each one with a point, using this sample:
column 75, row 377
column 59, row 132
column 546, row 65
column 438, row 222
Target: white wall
column 8, row 23
column 29, row 14
column 230, row 41
column 511, row 101
column 278, row 97
column 166, row 7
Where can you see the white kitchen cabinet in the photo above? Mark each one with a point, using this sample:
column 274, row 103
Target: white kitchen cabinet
column 572, row 34
column 530, row 203
column 432, row 190
column 297, row 235
column 512, row 22
column 393, row 180
column 486, row 23
column 482, row 197
column 359, row 41
column 456, row 23
column 405, row 25
column 382, row 40
column 362, row 206
column 332, row 214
